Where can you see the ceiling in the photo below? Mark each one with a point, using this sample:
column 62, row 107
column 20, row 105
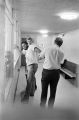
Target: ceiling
column 34, row 15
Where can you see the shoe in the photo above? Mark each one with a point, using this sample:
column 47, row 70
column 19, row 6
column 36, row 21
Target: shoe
column 25, row 99
column 31, row 94
column 22, row 93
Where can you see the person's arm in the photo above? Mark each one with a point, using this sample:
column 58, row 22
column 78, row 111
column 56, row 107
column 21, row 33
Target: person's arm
column 41, row 55
column 62, row 60
column 37, row 50
column 63, row 63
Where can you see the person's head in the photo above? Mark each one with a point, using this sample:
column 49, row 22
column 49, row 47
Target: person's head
column 24, row 45
column 29, row 41
column 58, row 41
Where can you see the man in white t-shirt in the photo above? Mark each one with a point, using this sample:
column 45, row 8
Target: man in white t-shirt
column 32, row 65
column 51, row 71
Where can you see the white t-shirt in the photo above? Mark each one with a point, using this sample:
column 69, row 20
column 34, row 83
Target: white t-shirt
column 23, row 51
column 53, row 57
column 30, row 55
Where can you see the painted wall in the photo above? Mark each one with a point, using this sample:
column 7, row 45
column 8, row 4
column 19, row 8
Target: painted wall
column 12, row 44
column 2, row 49
column 7, row 44
column 40, row 40
column 45, row 41
column 8, row 47
column 71, row 46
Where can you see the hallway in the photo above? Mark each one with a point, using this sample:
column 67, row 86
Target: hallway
column 40, row 20
column 66, row 104
column 67, row 95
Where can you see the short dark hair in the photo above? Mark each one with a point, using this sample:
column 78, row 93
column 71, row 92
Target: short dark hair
column 29, row 38
column 58, row 41
column 24, row 42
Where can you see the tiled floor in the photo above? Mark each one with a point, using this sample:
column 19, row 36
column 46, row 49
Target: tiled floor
column 67, row 95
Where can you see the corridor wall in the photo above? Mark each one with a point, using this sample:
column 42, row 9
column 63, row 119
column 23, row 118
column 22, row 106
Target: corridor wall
column 39, row 39
column 71, row 49
column 70, row 45
column 8, row 46
column 2, row 49
column 12, row 46
column 9, row 38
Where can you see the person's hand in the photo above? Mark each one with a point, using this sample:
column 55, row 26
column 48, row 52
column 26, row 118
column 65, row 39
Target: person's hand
column 62, row 65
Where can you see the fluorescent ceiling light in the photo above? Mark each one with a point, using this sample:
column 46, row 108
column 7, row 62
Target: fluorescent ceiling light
column 43, row 31
column 68, row 15
column 45, row 35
